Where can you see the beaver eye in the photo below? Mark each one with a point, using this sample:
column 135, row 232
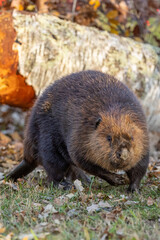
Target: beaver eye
column 98, row 122
column 109, row 138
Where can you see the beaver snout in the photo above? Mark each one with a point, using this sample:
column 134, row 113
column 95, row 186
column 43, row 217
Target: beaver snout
column 122, row 153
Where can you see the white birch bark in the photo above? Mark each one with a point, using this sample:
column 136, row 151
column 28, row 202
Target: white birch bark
column 50, row 48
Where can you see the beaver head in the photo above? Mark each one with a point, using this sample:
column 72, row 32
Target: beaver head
column 117, row 143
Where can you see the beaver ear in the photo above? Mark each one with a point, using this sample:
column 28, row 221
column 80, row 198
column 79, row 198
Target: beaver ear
column 98, row 122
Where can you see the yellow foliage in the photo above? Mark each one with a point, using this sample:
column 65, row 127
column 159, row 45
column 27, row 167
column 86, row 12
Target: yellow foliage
column 20, row 7
column 127, row 33
column 31, row 7
column 96, row 3
column 112, row 14
column 56, row 13
column 114, row 31
column 114, row 22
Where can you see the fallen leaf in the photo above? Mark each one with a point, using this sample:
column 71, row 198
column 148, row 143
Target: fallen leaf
column 50, row 209
column 97, row 207
column 93, row 208
column 2, row 230
column 112, row 14
column 31, row 7
column 96, row 3
column 150, row 201
column 78, row 185
column 72, row 213
column 37, row 204
column 12, row 185
column 120, row 233
column 56, row 13
column 103, row 204
column 9, row 236
column 56, row 221
column 70, row 195
column 61, row 200
column 111, row 216
column 16, row 137
column 47, row 210
column 130, row 202
column 4, row 140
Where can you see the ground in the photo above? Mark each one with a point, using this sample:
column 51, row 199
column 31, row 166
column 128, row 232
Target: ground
column 32, row 209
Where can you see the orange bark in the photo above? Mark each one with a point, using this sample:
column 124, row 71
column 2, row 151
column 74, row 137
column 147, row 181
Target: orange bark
column 13, row 89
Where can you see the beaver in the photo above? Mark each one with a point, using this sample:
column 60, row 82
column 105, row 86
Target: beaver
column 89, row 120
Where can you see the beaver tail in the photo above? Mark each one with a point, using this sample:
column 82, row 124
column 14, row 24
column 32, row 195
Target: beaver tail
column 21, row 170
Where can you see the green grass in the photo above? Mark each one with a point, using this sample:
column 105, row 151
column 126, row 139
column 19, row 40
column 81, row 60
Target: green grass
column 19, row 212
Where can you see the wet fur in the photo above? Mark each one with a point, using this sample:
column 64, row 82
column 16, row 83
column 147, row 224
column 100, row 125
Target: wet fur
column 86, row 120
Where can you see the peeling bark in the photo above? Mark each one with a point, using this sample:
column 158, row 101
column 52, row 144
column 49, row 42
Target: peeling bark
column 49, row 48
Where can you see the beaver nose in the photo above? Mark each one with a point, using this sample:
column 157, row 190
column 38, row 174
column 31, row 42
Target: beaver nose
column 118, row 153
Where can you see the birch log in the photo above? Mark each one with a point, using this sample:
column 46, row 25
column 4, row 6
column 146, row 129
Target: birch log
column 49, row 48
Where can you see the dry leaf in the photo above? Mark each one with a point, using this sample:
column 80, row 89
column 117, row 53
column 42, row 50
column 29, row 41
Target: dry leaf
column 97, row 207
column 130, row 202
column 47, row 210
column 16, row 137
column 96, row 3
column 114, row 31
column 12, row 185
column 103, row 204
column 4, row 140
column 70, row 195
column 2, row 230
column 37, row 204
column 150, row 201
column 31, row 7
column 9, row 236
column 50, row 209
column 78, row 185
column 112, row 14
column 120, row 233
column 63, row 199
column 72, row 213
column 56, row 13
column 93, row 208
column 110, row 217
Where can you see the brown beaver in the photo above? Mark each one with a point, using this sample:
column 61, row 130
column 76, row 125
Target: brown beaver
column 89, row 120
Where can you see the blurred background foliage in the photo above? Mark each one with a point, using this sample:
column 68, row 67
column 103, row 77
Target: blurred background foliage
column 137, row 19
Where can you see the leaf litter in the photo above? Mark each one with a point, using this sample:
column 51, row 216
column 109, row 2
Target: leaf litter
column 94, row 203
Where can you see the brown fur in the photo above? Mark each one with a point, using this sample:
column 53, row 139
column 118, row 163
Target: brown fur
column 124, row 133
column 89, row 120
